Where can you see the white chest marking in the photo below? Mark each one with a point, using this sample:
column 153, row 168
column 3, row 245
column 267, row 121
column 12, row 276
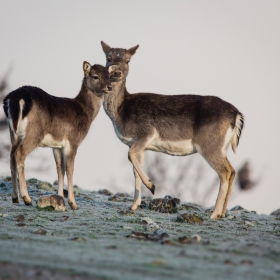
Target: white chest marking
column 125, row 139
column 50, row 142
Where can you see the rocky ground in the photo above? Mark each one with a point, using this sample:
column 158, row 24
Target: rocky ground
column 103, row 239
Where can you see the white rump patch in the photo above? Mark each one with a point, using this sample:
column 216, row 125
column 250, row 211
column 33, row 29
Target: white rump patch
column 9, row 118
column 227, row 140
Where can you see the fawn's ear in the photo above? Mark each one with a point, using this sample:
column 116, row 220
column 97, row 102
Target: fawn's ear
column 106, row 48
column 112, row 68
column 132, row 50
column 86, row 67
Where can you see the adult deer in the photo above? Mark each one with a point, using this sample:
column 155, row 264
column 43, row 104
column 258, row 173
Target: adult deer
column 173, row 124
column 37, row 119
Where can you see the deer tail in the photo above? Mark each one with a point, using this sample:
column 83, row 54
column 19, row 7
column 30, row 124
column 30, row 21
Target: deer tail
column 239, row 124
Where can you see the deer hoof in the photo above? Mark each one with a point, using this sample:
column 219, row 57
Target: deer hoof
column 15, row 200
column 215, row 216
column 73, row 206
column 27, row 201
column 134, row 207
column 153, row 189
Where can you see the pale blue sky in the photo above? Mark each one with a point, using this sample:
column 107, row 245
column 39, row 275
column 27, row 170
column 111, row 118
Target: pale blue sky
column 224, row 48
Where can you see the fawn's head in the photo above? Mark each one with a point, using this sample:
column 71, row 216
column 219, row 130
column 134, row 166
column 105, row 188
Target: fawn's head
column 97, row 79
column 117, row 56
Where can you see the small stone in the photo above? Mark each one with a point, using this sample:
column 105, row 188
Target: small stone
column 176, row 200
column 190, row 218
column 196, row 238
column 55, row 201
column 105, row 192
column 147, row 220
column 246, row 262
column 21, row 225
column 229, row 262
column 231, row 217
column 189, row 240
column 18, row 218
column 32, row 181
column 237, row 208
column 122, row 194
column 151, row 227
column 40, row 231
column 126, row 212
column 8, row 179
column 5, row 215
column 276, row 212
column 79, row 239
column 206, row 242
column 190, row 207
column 159, row 262
column 111, row 247
column 163, row 205
column 250, row 223
column 46, row 186
column 112, row 198
column 143, row 204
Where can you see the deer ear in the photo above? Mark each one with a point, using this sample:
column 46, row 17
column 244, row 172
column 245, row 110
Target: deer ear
column 112, row 68
column 86, row 67
column 106, row 48
column 132, row 50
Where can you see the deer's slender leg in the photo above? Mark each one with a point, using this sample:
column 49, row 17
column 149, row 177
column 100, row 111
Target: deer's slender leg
column 23, row 150
column 70, row 153
column 137, row 149
column 15, row 195
column 137, row 191
column 229, row 189
column 60, row 167
column 220, row 165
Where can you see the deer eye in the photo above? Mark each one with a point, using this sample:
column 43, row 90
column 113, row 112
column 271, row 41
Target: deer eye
column 95, row 77
column 127, row 61
column 109, row 59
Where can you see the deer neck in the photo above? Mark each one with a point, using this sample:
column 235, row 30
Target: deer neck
column 114, row 100
column 90, row 102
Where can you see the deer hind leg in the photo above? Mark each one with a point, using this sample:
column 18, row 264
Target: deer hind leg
column 135, row 151
column 70, row 153
column 137, row 191
column 232, row 175
column 15, row 195
column 60, row 167
column 224, row 171
column 22, row 151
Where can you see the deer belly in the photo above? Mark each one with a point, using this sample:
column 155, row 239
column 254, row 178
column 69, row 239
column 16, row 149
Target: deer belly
column 50, row 142
column 174, row 148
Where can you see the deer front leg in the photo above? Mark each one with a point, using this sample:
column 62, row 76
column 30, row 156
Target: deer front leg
column 137, row 191
column 70, row 153
column 136, row 149
column 60, row 167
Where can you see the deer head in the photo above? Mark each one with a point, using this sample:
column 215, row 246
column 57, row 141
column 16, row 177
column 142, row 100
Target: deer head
column 117, row 56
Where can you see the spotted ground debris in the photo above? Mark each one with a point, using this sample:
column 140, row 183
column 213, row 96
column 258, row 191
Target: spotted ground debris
column 104, row 239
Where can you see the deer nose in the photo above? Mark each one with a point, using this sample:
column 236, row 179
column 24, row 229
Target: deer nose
column 117, row 74
column 109, row 88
